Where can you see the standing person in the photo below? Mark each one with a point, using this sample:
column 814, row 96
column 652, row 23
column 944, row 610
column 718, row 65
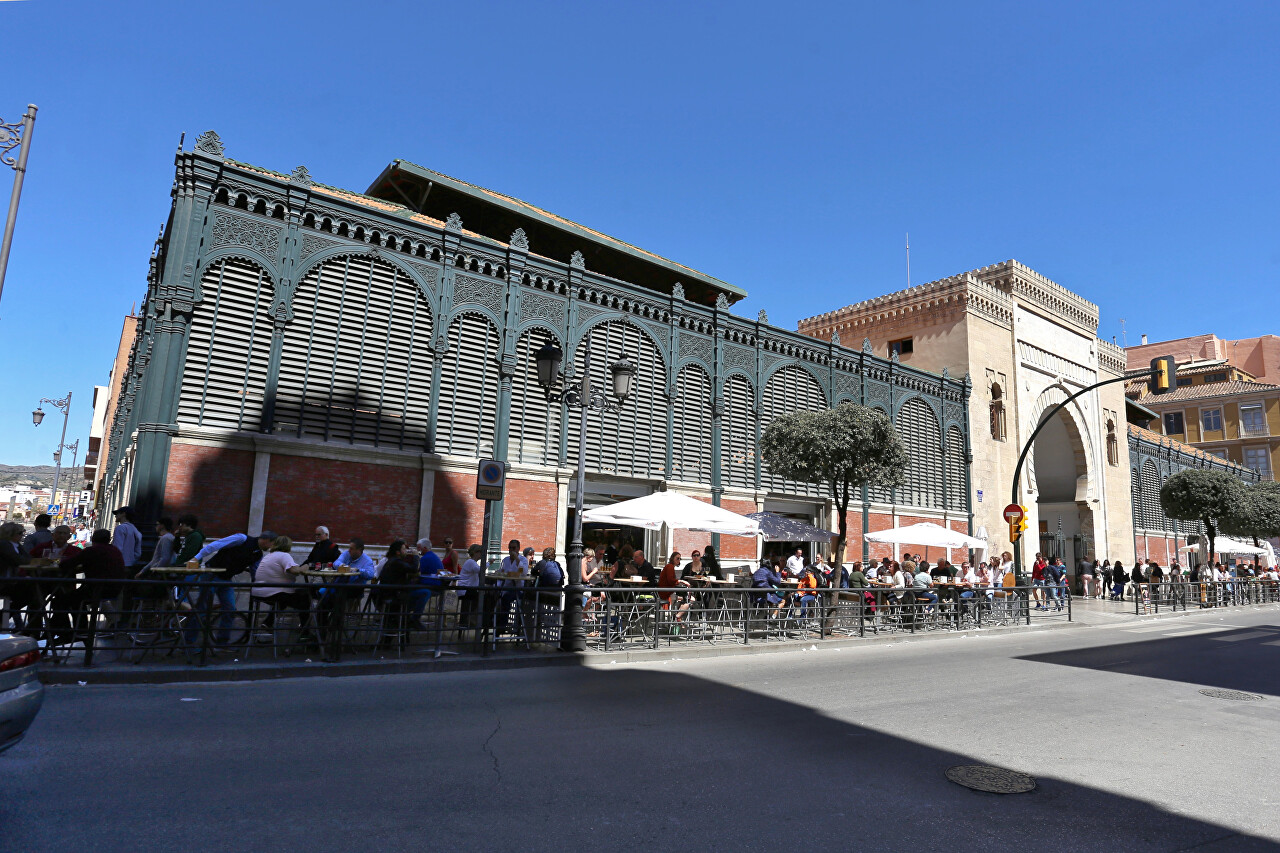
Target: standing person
column 795, row 563
column 1137, row 579
column 1084, row 569
column 192, row 540
column 1104, row 575
column 1038, row 581
column 324, row 551
column 127, row 538
column 42, row 534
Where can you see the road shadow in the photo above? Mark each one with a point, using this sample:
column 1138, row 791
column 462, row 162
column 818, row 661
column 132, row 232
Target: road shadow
column 1208, row 659
column 560, row 759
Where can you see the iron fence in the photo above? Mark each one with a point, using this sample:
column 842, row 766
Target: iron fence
column 196, row 621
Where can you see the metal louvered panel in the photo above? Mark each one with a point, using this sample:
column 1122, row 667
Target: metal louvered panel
column 789, row 390
column 225, row 373
column 469, row 384
column 920, row 432
column 355, row 365
column 1149, row 496
column 535, row 423
column 636, row 437
column 738, row 435
column 691, row 426
column 955, row 470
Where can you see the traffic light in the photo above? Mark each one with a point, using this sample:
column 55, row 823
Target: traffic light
column 1164, row 371
column 1016, row 528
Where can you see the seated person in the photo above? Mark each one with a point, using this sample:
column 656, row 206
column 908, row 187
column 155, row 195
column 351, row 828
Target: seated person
column 769, row 577
column 921, row 584
column 399, row 569
column 279, row 572
column 101, row 564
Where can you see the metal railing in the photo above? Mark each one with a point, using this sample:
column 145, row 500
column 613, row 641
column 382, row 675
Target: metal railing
column 197, row 622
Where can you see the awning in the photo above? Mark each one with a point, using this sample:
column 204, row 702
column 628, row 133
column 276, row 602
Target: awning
column 927, row 534
column 677, row 511
column 779, row 528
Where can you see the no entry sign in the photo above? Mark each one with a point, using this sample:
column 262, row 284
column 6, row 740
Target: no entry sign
column 1013, row 514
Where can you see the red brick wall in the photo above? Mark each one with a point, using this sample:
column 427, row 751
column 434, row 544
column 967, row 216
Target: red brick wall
column 880, row 521
column 529, row 513
column 455, row 512
column 731, row 547
column 211, row 482
column 378, row 503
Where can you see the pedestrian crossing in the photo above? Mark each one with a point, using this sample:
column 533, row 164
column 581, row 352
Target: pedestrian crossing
column 1170, row 628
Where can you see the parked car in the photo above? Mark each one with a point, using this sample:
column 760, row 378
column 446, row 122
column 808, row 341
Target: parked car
column 20, row 689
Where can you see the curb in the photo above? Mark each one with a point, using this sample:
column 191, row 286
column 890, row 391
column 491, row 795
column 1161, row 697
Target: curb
column 216, row 673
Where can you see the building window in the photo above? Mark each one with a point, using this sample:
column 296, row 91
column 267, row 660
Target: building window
column 1216, row 377
column 1113, row 444
column 1252, row 421
column 997, row 413
column 1173, row 423
column 902, row 347
column 1212, row 419
column 1259, row 459
column 1184, row 381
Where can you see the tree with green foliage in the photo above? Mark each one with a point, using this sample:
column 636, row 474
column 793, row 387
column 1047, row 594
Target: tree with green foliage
column 1211, row 497
column 842, row 449
column 1258, row 516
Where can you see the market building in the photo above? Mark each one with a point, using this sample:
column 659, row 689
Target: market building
column 1028, row 343
column 309, row 355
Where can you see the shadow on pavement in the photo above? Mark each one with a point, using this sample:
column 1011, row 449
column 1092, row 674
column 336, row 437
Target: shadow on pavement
column 565, row 759
column 1205, row 659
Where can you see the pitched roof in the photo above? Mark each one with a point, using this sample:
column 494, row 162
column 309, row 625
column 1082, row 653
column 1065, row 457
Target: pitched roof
column 1232, row 388
column 546, row 230
column 1165, row 441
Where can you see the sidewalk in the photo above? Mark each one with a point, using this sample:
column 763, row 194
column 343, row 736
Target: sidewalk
column 1085, row 614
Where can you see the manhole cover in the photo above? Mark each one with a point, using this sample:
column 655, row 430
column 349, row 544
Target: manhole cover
column 995, row 780
column 1237, row 695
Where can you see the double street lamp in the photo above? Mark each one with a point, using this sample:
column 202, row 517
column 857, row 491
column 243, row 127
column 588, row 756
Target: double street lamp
column 64, row 406
column 578, row 394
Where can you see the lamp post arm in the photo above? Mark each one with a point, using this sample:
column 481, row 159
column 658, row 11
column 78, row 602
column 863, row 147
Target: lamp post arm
column 1026, row 448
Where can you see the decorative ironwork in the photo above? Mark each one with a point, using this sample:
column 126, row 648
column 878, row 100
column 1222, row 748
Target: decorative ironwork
column 480, row 292
column 453, row 222
column 209, row 143
column 677, row 291
column 300, row 177
column 537, row 306
column 762, row 317
column 577, row 260
column 10, row 138
column 519, row 240
column 229, row 230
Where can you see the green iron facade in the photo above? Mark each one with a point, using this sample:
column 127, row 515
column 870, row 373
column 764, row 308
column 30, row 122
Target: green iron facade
column 277, row 306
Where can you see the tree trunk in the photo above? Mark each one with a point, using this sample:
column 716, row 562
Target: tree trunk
column 1208, row 525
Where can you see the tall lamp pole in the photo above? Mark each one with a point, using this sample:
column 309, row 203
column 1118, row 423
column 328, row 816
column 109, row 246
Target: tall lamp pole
column 64, row 406
column 579, row 395
column 14, row 135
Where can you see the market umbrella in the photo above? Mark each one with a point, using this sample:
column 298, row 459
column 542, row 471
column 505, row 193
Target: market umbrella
column 779, row 528
column 675, row 510
column 1227, row 545
column 927, row 534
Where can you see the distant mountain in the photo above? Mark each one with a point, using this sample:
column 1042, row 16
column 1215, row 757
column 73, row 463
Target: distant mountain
column 40, row 476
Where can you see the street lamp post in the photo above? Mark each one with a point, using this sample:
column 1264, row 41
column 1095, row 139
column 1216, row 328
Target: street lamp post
column 14, row 135
column 64, row 406
column 579, row 395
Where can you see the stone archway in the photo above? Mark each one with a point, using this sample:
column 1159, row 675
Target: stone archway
column 1060, row 472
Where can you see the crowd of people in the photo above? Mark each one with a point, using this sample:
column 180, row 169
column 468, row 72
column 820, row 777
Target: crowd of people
column 409, row 574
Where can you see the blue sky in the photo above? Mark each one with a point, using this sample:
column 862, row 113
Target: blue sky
column 1127, row 151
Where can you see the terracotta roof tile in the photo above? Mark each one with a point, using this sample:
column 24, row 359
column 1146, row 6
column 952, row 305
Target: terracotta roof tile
column 1165, row 441
column 1233, row 388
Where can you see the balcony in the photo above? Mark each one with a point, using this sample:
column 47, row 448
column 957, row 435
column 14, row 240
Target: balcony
column 1254, row 431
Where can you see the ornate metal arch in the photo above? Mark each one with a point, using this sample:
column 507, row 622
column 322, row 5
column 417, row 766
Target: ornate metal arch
column 238, row 253
column 578, row 335
column 315, row 259
column 766, row 376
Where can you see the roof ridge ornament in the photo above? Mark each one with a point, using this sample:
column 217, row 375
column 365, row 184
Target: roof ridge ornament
column 866, row 346
column 209, row 143
column 453, row 223
column 677, row 291
column 762, row 317
column 300, row 176
column 835, row 338
column 519, row 240
column 722, row 302
column 578, row 260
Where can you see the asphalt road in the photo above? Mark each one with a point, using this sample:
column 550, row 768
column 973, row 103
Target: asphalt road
column 821, row 750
